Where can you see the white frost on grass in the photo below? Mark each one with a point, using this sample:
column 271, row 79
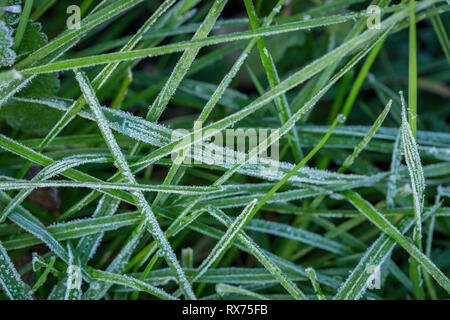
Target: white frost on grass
column 138, row 196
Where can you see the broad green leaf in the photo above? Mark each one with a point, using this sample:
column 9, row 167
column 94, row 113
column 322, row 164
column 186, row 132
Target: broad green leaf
column 29, row 117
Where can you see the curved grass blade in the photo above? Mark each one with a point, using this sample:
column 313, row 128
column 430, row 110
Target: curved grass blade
column 313, row 278
column 223, row 289
column 131, row 283
column 46, row 173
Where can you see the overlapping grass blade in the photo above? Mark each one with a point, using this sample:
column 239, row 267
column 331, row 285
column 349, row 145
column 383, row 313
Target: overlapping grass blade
column 383, row 224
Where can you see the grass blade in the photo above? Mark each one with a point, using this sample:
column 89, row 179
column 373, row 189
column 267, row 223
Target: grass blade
column 138, row 197
column 383, row 224
column 10, row 279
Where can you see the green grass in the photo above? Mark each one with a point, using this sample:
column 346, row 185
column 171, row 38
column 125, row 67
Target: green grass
column 88, row 128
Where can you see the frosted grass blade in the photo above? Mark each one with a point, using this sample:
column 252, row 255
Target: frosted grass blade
column 412, row 158
column 10, row 279
column 138, row 197
column 383, row 224
column 130, row 282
